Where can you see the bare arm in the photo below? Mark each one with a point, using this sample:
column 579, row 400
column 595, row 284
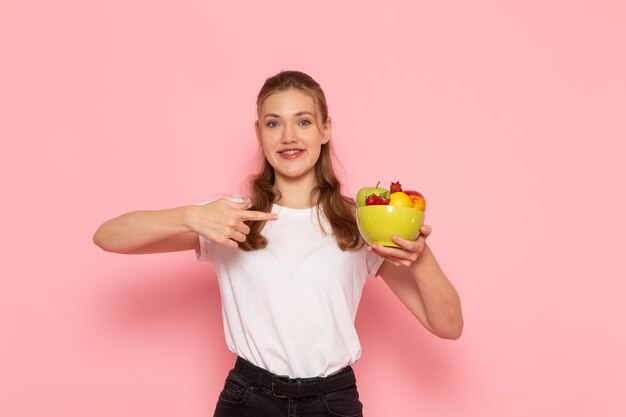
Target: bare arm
column 414, row 275
column 177, row 229
column 148, row 231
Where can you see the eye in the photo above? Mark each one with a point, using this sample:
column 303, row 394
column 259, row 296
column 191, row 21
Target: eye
column 271, row 123
column 304, row 122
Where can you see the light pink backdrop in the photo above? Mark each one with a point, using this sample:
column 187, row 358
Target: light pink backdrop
column 508, row 116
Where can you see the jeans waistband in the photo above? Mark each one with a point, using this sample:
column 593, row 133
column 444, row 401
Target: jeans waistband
column 285, row 387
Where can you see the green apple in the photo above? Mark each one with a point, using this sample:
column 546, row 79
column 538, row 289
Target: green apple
column 367, row 191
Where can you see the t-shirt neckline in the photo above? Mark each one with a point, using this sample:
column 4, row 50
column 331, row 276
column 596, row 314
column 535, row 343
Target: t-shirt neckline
column 292, row 211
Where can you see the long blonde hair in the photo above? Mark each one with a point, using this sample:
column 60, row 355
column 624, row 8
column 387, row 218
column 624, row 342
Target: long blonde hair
column 339, row 210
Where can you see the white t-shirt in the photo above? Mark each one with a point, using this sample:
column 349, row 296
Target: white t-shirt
column 290, row 308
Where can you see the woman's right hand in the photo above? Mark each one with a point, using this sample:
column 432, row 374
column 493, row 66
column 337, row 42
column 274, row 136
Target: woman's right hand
column 177, row 229
column 222, row 221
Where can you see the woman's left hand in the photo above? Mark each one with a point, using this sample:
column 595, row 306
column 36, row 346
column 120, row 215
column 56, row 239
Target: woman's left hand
column 408, row 252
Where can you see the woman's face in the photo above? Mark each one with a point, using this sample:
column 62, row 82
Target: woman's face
column 291, row 133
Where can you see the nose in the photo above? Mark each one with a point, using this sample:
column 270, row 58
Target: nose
column 289, row 135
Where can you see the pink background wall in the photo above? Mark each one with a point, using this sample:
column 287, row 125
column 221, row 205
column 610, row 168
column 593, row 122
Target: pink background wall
column 508, row 116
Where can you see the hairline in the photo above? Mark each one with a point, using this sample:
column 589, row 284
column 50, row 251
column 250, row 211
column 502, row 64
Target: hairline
column 306, row 90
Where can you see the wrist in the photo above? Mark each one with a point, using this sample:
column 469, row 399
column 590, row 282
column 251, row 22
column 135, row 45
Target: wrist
column 188, row 216
column 422, row 261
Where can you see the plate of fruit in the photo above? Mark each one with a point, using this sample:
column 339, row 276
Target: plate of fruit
column 384, row 213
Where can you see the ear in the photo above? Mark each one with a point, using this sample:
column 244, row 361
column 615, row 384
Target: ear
column 328, row 130
column 257, row 130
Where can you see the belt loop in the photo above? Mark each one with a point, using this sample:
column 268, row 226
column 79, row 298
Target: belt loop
column 299, row 385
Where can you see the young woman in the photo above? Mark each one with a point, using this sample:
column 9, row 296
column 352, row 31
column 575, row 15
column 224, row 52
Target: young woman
column 291, row 265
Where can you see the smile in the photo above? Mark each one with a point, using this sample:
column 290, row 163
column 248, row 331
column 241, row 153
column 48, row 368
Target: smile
column 291, row 153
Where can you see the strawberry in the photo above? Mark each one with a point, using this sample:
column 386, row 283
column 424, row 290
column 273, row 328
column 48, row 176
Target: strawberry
column 395, row 187
column 373, row 200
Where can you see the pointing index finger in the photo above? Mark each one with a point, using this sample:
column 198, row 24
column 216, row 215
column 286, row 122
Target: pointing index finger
column 258, row 215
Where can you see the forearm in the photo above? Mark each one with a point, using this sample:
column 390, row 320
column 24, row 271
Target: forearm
column 132, row 231
column 440, row 299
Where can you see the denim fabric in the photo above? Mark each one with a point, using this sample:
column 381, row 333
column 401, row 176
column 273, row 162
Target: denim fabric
column 243, row 398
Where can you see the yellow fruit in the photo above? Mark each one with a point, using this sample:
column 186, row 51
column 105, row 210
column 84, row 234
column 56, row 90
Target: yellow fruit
column 400, row 199
column 418, row 202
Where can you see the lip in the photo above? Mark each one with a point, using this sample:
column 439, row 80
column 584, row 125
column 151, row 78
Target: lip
column 297, row 155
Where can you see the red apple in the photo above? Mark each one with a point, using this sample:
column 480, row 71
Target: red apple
column 419, row 202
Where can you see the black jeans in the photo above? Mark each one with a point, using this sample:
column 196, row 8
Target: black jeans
column 244, row 397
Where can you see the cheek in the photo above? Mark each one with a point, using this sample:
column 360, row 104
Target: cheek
column 268, row 153
column 270, row 136
column 266, row 141
column 316, row 153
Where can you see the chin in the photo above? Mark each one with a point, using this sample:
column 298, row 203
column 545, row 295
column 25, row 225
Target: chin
column 295, row 174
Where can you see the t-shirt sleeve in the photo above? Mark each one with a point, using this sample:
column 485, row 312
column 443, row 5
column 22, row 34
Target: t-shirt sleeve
column 374, row 262
column 206, row 248
column 202, row 252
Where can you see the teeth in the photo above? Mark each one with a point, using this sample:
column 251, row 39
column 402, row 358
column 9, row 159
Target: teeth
column 290, row 152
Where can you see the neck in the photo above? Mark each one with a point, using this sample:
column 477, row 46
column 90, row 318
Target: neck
column 295, row 193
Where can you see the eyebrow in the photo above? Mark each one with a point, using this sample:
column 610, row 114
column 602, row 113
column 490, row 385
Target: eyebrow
column 300, row 113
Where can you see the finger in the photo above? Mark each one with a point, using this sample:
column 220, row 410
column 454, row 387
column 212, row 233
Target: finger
column 250, row 215
column 237, row 236
column 392, row 261
column 404, row 243
column 243, row 228
column 426, row 230
column 419, row 245
column 411, row 245
column 398, row 255
column 229, row 243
